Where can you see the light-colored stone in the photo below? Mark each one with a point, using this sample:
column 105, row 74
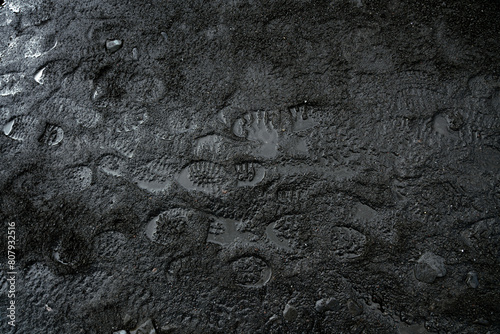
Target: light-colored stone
column 114, row 45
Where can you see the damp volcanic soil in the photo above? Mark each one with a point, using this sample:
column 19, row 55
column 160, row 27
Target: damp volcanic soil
column 250, row 166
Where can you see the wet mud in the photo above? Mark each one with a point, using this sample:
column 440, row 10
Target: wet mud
column 251, row 166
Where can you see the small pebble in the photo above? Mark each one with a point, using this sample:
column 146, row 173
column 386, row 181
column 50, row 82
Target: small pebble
column 429, row 267
column 146, row 327
column 274, row 318
column 482, row 321
column 329, row 304
column 114, row 45
column 120, row 332
column 169, row 329
column 354, row 307
column 472, row 280
column 290, row 313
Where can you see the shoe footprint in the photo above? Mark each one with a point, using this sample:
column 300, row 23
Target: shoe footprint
column 113, row 165
column 205, row 176
column 52, row 135
column 289, row 233
column 156, row 176
column 224, row 231
column 262, row 127
column 250, row 271
column 258, row 127
column 21, row 128
column 300, row 118
column 246, row 270
column 213, row 178
column 179, row 229
column 24, row 127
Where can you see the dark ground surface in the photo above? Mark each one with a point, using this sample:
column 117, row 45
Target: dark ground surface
column 251, row 166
